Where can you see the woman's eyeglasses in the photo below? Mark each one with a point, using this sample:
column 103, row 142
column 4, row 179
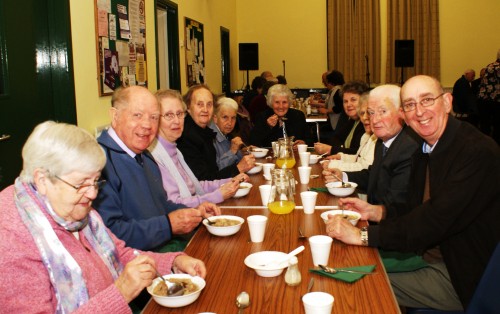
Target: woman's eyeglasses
column 169, row 116
column 83, row 188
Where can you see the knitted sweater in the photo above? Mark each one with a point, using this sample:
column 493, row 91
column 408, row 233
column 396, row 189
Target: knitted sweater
column 25, row 282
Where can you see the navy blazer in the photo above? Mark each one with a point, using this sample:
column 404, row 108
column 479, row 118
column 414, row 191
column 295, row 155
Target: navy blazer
column 386, row 180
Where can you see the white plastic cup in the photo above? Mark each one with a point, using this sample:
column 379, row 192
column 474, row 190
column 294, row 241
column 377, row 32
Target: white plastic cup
column 266, row 170
column 257, row 226
column 304, row 174
column 318, row 303
column 320, row 249
column 308, row 201
column 304, row 158
column 302, row 148
column 265, row 190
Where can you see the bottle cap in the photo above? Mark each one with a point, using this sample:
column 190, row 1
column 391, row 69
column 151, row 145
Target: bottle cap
column 293, row 260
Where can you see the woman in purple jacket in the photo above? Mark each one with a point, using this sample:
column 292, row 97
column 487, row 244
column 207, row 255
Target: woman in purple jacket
column 179, row 182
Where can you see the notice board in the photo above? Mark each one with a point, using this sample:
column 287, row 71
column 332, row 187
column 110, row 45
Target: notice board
column 121, row 44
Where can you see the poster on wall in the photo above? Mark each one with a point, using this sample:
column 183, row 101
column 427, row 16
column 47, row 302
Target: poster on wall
column 195, row 57
column 121, row 44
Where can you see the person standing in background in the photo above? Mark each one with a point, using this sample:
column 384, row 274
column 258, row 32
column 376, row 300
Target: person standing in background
column 489, row 94
column 464, row 100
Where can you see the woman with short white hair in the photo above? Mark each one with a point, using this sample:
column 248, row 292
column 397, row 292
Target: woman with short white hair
column 57, row 254
column 223, row 122
column 279, row 119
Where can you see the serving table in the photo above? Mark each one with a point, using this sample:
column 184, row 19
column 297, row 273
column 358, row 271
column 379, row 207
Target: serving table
column 227, row 275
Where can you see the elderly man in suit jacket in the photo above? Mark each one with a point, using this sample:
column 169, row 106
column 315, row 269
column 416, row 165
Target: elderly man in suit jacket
column 386, row 180
column 454, row 196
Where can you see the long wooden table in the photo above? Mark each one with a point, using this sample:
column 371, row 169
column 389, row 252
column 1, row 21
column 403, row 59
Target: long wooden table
column 228, row 275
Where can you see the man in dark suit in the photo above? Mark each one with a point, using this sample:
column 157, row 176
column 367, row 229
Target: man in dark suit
column 386, row 180
column 464, row 99
column 454, row 195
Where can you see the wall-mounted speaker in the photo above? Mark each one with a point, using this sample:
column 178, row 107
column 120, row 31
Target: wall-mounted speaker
column 249, row 56
column 405, row 53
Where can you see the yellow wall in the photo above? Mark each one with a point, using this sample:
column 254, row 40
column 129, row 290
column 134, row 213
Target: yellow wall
column 290, row 30
column 469, row 36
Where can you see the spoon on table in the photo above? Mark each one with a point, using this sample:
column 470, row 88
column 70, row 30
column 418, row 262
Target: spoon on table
column 310, row 285
column 173, row 288
column 301, row 235
column 332, row 270
column 242, row 301
column 344, row 185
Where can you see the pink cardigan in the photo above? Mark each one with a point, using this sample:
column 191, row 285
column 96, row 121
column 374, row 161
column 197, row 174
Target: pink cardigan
column 24, row 282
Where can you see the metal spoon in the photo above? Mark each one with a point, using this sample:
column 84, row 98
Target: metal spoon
column 210, row 222
column 242, row 301
column 344, row 185
column 332, row 270
column 173, row 288
column 301, row 235
column 310, row 285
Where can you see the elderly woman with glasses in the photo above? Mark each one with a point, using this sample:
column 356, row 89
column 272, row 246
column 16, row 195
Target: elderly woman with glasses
column 196, row 142
column 279, row 119
column 57, row 255
column 179, row 181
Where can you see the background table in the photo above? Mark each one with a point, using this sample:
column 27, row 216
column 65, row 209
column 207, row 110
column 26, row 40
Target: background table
column 228, row 275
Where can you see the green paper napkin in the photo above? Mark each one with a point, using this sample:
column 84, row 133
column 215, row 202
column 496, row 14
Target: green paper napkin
column 347, row 277
column 318, row 189
column 396, row 262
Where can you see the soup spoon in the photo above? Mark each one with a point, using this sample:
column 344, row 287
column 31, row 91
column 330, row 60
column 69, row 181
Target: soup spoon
column 210, row 222
column 173, row 288
column 242, row 301
column 344, row 185
column 332, row 270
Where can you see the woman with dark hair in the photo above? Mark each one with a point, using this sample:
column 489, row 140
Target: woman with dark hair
column 257, row 85
column 347, row 137
column 332, row 107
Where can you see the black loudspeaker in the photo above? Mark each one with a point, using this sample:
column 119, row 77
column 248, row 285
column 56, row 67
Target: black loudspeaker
column 249, row 56
column 405, row 56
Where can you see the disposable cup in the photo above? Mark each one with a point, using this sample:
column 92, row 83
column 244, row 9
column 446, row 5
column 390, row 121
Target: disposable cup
column 266, row 169
column 301, row 148
column 257, row 227
column 304, row 158
column 320, row 249
column 318, row 303
column 304, row 174
column 265, row 190
column 308, row 201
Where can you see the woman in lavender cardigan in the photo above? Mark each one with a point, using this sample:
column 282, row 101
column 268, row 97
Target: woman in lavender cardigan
column 179, row 182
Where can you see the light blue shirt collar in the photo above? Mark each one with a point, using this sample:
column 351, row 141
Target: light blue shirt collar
column 427, row 149
column 114, row 136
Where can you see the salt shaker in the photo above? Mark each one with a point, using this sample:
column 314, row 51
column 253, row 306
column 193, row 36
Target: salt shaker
column 292, row 275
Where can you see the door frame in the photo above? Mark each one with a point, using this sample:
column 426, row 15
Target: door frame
column 174, row 73
column 225, row 60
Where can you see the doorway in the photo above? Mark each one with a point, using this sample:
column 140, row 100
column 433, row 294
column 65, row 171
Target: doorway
column 167, row 45
column 225, row 64
column 36, row 74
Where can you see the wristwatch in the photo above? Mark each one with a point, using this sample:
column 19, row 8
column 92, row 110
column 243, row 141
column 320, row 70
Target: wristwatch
column 364, row 236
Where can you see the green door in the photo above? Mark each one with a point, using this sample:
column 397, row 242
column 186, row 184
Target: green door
column 36, row 81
